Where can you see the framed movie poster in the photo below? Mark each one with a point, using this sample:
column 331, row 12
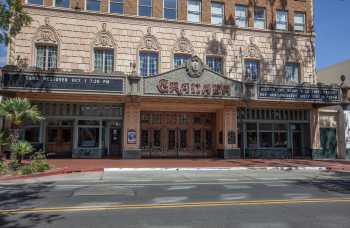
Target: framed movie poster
column 131, row 136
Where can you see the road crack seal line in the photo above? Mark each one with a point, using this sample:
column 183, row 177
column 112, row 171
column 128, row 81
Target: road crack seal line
column 174, row 205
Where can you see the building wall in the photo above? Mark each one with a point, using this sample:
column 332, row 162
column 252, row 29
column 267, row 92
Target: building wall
column 76, row 31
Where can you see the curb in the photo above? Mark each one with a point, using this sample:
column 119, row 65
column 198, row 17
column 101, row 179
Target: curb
column 283, row 168
column 50, row 173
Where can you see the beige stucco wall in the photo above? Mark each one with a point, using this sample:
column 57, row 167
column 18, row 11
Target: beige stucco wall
column 77, row 31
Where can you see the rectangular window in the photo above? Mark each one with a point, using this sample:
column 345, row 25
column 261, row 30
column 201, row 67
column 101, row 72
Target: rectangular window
column 104, row 60
column 35, row 2
column 145, row 8
column 265, row 134
column 299, row 22
column 194, row 11
column 46, row 57
column 156, row 138
column 32, row 134
column 62, row 3
column 148, row 63
column 180, row 60
column 170, row 9
column 292, row 72
column 89, row 137
column 282, row 20
column 215, row 63
column 241, row 16
column 252, row 70
column 217, row 13
column 93, row 5
column 280, row 136
column 116, row 6
column 252, row 140
column 259, row 18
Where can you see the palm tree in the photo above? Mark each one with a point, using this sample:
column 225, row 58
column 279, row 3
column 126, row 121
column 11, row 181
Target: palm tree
column 21, row 149
column 17, row 111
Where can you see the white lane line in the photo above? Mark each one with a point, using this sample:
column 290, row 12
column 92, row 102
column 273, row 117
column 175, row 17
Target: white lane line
column 181, row 187
column 276, row 184
column 237, row 186
column 68, row 187
column 170, row 199
column 233, row 196
column 298, row 195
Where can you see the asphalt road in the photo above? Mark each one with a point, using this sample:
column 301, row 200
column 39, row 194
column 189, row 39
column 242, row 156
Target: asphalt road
column 241, row 199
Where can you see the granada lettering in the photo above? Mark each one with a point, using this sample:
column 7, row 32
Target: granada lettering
column 195, row 89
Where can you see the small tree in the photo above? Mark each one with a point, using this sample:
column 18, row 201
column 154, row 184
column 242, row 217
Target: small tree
column 17, row 111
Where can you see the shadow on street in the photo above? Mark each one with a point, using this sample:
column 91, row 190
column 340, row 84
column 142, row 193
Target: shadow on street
column 20, row 196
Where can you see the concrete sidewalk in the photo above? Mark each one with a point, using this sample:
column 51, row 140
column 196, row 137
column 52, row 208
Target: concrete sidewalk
column 100, row 164
column 65, row 166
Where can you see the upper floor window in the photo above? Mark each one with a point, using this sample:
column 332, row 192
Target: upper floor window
column 170, row 9
column 282, row 20
column 215, row 63
column 145, row 8
column 116, row 6
column 180, row 60
column 148, row 63
column 241, row 16
column 292, row 73
column 104, row 60
column 299, row 22
column 252, row 69
column 46, row 57
column 93, row 5
column 194, row 11
column 62, row 3
column 217, row 13
column 35, row 2
column 259, row 18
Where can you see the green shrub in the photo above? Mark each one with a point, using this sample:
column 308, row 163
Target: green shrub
column 3, row 167
column 14, row 165
column 21, row 149
column 27, row 169
column 39, row 163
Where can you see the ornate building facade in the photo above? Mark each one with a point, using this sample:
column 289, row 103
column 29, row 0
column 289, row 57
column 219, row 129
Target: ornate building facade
column 170, row 78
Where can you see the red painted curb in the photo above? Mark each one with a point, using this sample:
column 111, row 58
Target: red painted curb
column 52, row 173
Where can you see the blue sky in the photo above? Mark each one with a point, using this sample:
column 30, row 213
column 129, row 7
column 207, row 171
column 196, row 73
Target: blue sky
column 332, row 26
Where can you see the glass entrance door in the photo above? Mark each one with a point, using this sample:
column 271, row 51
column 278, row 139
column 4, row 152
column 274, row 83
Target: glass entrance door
column 115, row 142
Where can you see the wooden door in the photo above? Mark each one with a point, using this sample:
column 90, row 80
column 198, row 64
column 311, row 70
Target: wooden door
column 59, row 141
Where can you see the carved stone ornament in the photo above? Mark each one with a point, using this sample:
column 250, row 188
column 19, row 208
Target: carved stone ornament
column 216, row 47
column 195, row 67
column 149, row 41
column 183, row 45
column 293, row 55
column 252, row 52
column 46, row 34
column 104, row 39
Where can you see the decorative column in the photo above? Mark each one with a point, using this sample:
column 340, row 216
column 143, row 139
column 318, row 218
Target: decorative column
column 226, row 122
column 315, row 133
column 131, row 142
column 341, row 128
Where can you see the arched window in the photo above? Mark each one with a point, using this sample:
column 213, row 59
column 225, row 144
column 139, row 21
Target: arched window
column 215, row 55
column 183, row 50
column 46, row 47
column 293, row 65
column 252, row 63
column 149, row 50
column 104, row 48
